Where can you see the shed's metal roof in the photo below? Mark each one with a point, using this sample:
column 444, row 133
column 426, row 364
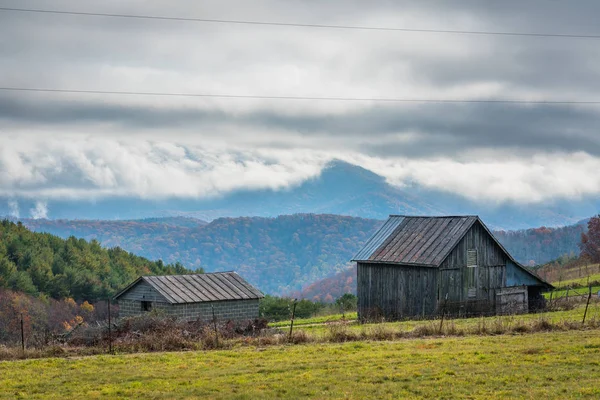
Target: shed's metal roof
column 197, row 288
column 424, row 241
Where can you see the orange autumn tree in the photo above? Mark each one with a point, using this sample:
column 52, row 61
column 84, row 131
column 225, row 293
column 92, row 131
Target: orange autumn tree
column 590, row 241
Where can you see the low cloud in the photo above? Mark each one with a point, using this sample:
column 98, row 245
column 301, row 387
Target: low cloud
column 79, row 167
column 13, row 209
column 40, row 211
column 506, row 178
column 76, row 167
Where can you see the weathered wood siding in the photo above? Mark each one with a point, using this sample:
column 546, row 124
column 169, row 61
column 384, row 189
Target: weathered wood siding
column 490, row 273
column 512, row 300
column 395, row 292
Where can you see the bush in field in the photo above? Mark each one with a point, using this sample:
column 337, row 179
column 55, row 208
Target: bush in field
column 280, row 308
column 347, row 302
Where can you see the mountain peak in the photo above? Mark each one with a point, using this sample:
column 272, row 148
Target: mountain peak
column 342, row 170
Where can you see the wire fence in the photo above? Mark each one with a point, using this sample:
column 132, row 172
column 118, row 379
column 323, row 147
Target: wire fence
column 151, row 331
column 158, row 332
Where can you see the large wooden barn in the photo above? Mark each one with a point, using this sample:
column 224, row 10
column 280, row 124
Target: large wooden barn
column 191, row 297
column 419, row 266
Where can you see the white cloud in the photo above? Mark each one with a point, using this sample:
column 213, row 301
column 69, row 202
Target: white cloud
column 91, row 167
column 40, row 211
column 530, row 179
column 75, row 166
column 13, row 209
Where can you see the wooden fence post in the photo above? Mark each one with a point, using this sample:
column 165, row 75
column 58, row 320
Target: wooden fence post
column 109, row 328
column 292, row 320
column 587, row 304
column 22, row 337
column 443, row 312
column 215, row 326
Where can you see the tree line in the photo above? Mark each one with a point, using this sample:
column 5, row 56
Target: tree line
column 41, row 263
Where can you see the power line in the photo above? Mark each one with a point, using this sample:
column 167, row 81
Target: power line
column 350, row 99
column 320, row 26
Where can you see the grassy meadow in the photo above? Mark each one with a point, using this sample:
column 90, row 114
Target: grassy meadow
column 350, row 316
column 547, row 355
column 541, row 365
column 581, row 292
column 465, row 326
column 579, row 281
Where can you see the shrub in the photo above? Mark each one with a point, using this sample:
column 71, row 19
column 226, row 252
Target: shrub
column 381, row 332
column 427, row 329
column 339, row 332
column 542, row 324
column 301, row 337
column 520, row 327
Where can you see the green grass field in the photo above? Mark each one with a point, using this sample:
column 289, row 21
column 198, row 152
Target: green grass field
column 315, row 320
column 557, row 294
column 543, row 365
column 464, row 324
column 579, row 281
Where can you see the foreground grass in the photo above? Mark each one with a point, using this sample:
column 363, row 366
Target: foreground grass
column 542, row 365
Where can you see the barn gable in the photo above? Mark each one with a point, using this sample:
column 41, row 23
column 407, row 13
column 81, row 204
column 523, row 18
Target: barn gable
column 140, row 290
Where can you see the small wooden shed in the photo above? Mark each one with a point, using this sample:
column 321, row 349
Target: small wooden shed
column 419, row 266
column 191, row 297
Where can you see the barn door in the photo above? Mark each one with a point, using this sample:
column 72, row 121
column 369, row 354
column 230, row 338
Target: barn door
column 450, row 284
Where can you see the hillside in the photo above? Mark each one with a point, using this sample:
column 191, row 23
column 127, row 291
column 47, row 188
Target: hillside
column 275, row 254
column 283, row 254
column 341, row 188
column 540, row 245
column 41, row 263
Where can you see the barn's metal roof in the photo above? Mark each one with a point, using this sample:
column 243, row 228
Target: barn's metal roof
column 423, row 241
column 378, row 238
column 197, row 288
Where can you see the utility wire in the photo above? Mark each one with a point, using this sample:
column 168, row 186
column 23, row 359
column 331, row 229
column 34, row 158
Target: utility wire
column 356, row 99
column 286, row 24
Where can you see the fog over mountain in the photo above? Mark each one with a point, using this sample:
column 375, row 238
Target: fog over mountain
column 341, row 188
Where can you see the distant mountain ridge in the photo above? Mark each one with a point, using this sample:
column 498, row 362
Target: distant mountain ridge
column 275, row 254
column 279, row 255
column 341, row 189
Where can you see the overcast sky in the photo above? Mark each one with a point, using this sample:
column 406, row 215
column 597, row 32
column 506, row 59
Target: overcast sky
column 81, row 145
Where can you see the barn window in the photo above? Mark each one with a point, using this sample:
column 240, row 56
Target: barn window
column 472, row 258
column 146, row 305
column 472, row 272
